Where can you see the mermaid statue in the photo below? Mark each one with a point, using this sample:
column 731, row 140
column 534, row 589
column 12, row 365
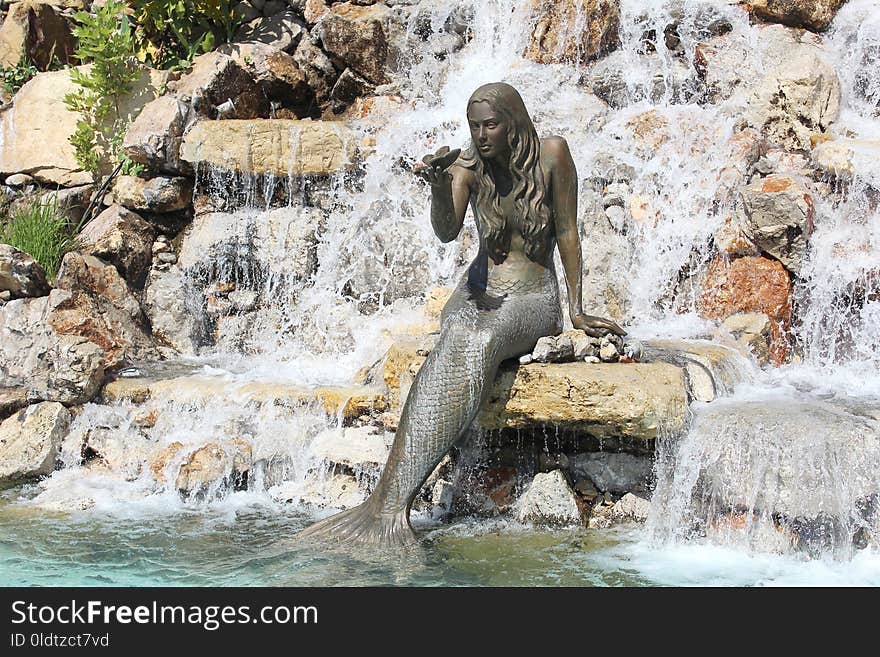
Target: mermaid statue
column 523, row 192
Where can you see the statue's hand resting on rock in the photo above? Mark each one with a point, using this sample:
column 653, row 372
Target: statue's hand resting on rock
column 596, row 327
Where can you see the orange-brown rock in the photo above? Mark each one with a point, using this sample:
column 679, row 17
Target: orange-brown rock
column 814, row 15
column 573, row 31
column 751, row 284
column 160, row 460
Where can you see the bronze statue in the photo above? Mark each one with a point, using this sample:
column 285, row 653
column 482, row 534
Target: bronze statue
column 523, row 191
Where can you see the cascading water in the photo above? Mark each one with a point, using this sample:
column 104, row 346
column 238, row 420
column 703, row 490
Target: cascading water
column 658, row 171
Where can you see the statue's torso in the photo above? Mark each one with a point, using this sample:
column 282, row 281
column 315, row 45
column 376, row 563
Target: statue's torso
column 516, row 265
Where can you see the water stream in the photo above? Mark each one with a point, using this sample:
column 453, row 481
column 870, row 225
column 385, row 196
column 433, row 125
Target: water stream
column 795, row 444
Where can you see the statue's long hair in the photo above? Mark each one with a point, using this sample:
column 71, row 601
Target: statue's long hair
column 529, row 186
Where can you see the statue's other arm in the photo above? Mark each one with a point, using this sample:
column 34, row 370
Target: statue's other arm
column 564, row 189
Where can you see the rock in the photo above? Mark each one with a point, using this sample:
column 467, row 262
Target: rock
column 317, row 67
column 159, row 194
column 712, row 369
column 247, row 11
column 798, row 97
column 281, row 147
column 779, row 211
column 638, row 400
column 630, row 508
column 582, row 344
column 550, row 349
column 72, row 202
column 649, row 129
column 49, row 366
column 281, row 31
column 313, row 10
column 279, row 75
column 100, row 307
column 357, row 37
column 160, row 461
column 165, row 305
column 348, row 87
column 154, row 137
column 12, row 399
column 122, row 452
column 814, row 15
column 751, row 284
column 573, row 31
column 357, row 448
column 216, row 79
column 20, row 274
column 203, row 469
column 123, row 239
column 30, row 440
column 18, row 180
column 848, row 159
column 36, row 31
column 613, row 472
column 753, row 331
column 549, row 500
column 35, row 129
column 608, row 352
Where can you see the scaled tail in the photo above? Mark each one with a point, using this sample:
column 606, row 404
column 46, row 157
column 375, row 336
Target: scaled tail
column 361, row 525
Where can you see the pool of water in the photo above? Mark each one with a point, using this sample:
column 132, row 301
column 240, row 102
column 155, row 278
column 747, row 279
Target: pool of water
column 247, row 542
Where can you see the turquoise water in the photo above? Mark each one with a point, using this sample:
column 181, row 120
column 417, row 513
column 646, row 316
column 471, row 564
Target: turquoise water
column 245, row 543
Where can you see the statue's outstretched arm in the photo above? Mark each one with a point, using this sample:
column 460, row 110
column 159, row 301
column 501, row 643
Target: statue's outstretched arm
column 450, row 192
column 564, row 189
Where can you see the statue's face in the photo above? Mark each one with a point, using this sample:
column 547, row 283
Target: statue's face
column 489, row 131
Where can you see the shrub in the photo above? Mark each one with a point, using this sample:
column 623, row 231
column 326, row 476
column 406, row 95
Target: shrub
column 15, row 77
column 170, row 33
column 105, row 39
column 40, row 228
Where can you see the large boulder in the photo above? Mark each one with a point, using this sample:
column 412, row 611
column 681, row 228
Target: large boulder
column 549, row 500
column 165, row 304
column 36, row 31
column 779, row 212
column 283, row 147
column 358, row 37
column 751, row 284
column 573, row 31
column 814, row 15
column 216, row 79
column 361, row 449
column 158, row 194
column 20, row 274
column 123, row 239
column 280, row 76
column 636, row 401
column 317, row 67
column 35, row 129
column 154, row 137
column 102, row 309
column 798, row 97
column 34, row 357
column 30, row 439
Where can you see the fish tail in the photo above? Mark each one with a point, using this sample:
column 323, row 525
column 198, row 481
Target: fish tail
column 363, row 525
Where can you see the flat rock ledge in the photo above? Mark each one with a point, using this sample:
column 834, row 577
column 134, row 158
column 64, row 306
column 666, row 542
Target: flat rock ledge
column 282, row 147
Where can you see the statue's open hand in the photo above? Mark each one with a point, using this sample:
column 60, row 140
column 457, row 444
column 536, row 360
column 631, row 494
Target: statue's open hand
column 433, row 167
column 596, row 327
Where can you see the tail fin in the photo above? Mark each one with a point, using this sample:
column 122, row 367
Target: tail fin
column 361, row 525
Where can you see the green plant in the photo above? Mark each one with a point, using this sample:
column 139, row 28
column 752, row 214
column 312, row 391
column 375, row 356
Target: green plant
column 40, row 228
column 105, row 39
column 15, row 77
column 170, row 33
